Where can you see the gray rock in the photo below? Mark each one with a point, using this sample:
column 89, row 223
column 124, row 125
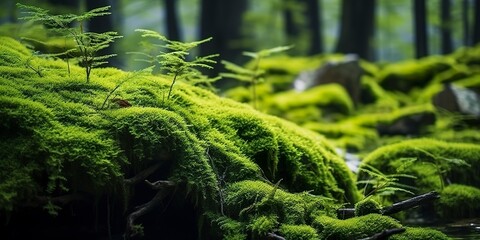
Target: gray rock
column 347, row 73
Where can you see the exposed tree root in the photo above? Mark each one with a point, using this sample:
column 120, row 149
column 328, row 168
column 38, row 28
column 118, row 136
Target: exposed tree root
column 162, row 187
column 142, row 175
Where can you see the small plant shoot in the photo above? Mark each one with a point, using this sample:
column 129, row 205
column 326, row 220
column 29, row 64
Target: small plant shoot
column 255, row 75
column 88, row 44
column 172, row 57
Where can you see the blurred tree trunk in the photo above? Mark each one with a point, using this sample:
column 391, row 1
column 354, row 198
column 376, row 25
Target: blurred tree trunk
column 103, row 24
column 466, row 23
column 8, row 11
column 357, row 28
column 292, row 28
column 446, row 26
column 222, row 20
column 476, row 23
column 420, row 26
column 173, row 25
column 314, row 14
column 73, row 4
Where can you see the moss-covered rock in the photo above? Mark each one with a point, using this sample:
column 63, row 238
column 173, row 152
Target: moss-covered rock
column 300, row 232
column 369, row 225
column 405, row 76
column 459, row 201
column 367, row 206
column 353, row 228
column 432, row 162
column 330, row 98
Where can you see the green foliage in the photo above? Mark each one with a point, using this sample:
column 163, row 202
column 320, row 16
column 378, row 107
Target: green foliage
column 172, row 57
column 381, row 184
column 262, row 225
column 458, row 202
column 255, row 75
column 88, row 44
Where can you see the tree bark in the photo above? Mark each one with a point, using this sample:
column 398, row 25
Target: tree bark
column 466, row 22
column 162, row 187
column 446, row 26
column 409, row 203
column 172, row 21
column 357, row 28
column 420, row 26
column 222, row 20
column 476, row 23
column 292, row 29
column 314, row 14
column 100, row 25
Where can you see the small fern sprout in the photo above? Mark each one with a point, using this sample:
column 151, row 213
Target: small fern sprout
column 88, row 44
column 252, row 76
column 172, row 57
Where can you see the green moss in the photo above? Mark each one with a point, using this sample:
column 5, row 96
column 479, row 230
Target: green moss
column 57, row 138
column 372, row 92
column 330, row 97
column 424, row 157
column 258, row 198
column 414, row 73
column 420, row 234
column 459, row 201
column 466, row 135
column 367, row 206
column 298, row 232
column 262, row 225
column 345, row 135
column 353, row 228
column 389, row 116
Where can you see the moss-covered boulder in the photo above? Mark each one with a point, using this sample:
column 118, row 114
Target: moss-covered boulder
column 459, row 201
column 404, row 76
column 64, row 140
column 434, row 163
column 367, row 206
column 368, row 225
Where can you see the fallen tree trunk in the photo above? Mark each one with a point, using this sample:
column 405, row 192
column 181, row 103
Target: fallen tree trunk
column 344, row 213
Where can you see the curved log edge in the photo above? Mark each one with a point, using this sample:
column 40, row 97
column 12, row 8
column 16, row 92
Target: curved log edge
column 344, row 213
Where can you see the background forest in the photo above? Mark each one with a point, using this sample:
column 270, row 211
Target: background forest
column 376, row 30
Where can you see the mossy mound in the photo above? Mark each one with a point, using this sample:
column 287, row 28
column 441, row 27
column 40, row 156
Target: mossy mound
column 432, row 162
column 405, row 76
column 367, row 206
column 330, row 98
column 62, row 136
column 458, row 202
column 368, row 225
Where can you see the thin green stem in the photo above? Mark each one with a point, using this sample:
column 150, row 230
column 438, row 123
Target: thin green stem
column 171, row 86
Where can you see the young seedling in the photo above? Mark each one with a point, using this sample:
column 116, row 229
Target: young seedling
column 88, row 44
column 252, row 76
column 381, row 184
column 171, row 56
